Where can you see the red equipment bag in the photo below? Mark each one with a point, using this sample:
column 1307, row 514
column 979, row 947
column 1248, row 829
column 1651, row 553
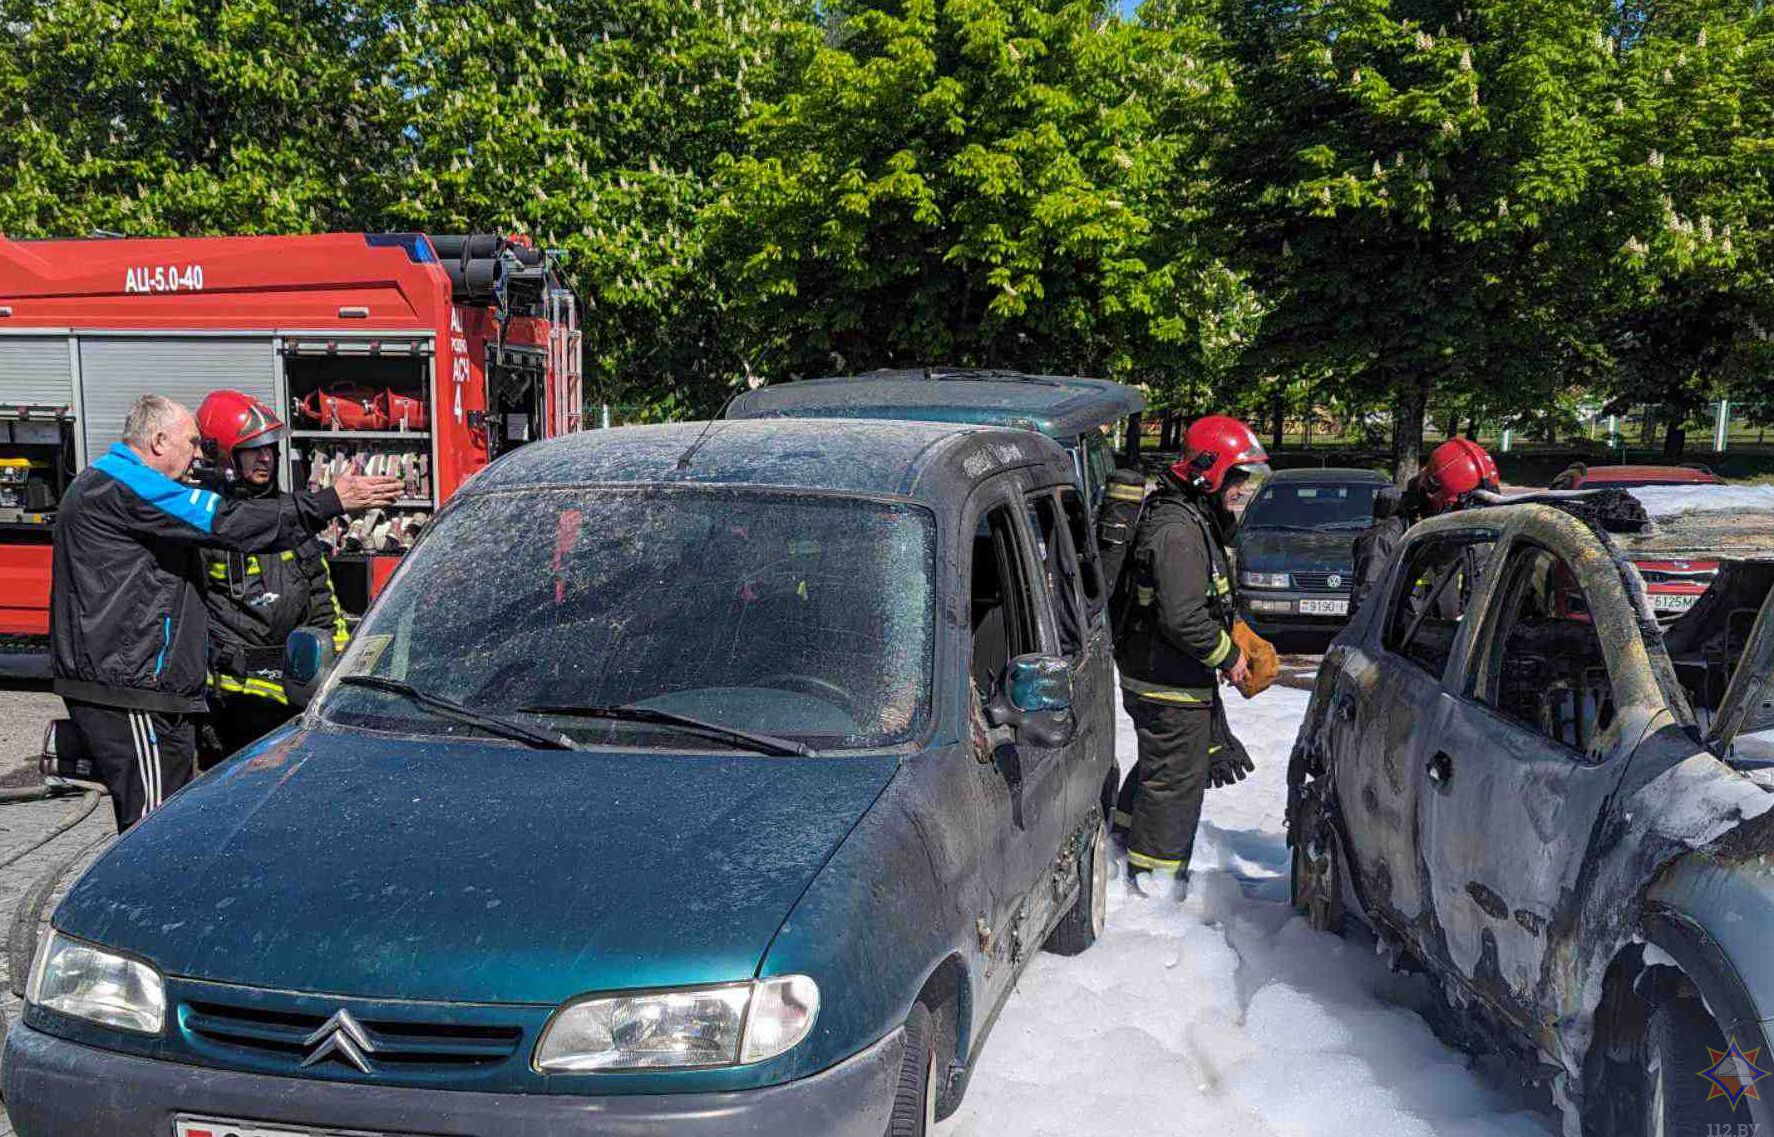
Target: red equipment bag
column 401, row 412
column 343, row 407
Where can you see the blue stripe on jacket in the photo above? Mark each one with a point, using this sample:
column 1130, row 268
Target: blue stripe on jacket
column 195, row 507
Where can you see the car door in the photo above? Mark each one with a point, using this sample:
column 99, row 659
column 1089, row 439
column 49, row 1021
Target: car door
column 1531, row 744
column 1382, row 716
column 1074, row 586
column 1004, row 603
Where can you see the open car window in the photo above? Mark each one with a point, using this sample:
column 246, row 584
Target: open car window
column 1542, row 665
column 1438, row 580
column 1000, row 600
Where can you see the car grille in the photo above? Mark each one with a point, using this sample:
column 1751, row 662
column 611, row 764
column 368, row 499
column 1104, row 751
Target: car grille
column 398, row 1043
column 1321, row 581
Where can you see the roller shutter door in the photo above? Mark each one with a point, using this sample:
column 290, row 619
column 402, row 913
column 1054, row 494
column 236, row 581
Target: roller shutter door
column 34, row 372
column 114, row 370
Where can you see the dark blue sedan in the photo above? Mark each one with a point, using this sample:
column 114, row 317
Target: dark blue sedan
column 682, row 781
column 1296, row 548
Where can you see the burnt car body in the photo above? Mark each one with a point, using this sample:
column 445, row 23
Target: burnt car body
column 1527, row 788
column 659, row 733
column 1674, row 582
column 1295, row 548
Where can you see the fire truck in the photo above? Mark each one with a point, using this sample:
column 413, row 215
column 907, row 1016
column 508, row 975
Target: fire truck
column 401, row 353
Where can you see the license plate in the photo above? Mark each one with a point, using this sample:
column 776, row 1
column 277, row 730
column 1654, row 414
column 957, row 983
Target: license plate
column 1672, row 602
column 212, row 1127
column 1324, row 607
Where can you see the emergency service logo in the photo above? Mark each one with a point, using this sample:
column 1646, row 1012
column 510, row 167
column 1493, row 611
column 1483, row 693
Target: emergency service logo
column 1733, row 1074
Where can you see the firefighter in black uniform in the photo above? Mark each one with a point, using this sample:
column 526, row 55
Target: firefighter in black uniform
column 128, row 632
column 1174, row 643
column 257, row 599
column 1456, row 468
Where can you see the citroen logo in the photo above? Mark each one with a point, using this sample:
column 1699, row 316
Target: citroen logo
column 343, row 1036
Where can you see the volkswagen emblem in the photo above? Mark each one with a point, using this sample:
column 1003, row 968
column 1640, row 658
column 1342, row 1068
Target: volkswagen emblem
column 342, row 1037
column 1335, row 580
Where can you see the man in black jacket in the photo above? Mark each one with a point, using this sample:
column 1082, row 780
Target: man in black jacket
column 255, row 600
column 1175, row 644
column 128, row 630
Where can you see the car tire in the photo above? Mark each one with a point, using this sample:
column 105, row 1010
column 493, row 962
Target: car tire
column 914, row 1097
column 1674, row 1098
column 1316, row 875
column 1079, row 928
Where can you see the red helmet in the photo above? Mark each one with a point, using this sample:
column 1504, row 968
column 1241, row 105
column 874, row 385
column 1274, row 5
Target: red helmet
column 1214, row 447
column 1456, row 468
column 230, row 421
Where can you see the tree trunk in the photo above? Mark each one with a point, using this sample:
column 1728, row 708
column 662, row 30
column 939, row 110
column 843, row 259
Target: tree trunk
column 1408, row 408
column 1280, row 411
column 1675, row 440
column 1453, row 426
column 1648, row 433
column 1472, row 429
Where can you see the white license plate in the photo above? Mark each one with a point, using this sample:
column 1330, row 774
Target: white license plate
column 1324, row 607
column 213, row 1127
column 1672, row 602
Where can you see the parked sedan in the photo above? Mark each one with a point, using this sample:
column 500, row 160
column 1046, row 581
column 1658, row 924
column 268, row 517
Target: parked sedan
column 684, row 780
column 1675, row 583
column 1527, row 789
column 1295, row 548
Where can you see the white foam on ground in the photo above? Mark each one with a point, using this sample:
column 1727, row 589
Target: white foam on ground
column 1227, row 1014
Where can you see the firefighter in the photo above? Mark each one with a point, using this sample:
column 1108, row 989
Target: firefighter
column 255, row 599
column 128, row 631
column 1175, row 644
column 1456, row 469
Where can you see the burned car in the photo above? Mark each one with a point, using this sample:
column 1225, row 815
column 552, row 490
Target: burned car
column 685, row 779
column 1558, row 810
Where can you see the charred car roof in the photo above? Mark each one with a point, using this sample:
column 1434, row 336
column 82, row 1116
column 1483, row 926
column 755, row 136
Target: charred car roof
column 925, row 461
column 1060, row 406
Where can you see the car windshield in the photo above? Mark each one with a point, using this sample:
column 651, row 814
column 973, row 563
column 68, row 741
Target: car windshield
column 1300, row 505
column 798, row 616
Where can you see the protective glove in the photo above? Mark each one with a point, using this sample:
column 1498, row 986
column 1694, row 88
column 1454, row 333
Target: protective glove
column 1228, row 764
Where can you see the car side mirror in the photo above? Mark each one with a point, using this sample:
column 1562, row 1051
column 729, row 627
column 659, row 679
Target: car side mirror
column 1034, row 699
column 307, row 656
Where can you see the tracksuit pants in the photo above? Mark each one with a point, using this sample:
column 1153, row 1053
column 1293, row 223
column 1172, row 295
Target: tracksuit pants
column 1160, row 801
column 143, row 757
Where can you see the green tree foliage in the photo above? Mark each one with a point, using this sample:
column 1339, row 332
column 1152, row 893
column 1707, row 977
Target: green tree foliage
column 991, row 182
column 189, row 116
column 1688, row 206
column 1403, row 170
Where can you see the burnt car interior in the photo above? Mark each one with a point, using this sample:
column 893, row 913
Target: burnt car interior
column 1544, row 667
column 1438, row 583
column 1706, row 642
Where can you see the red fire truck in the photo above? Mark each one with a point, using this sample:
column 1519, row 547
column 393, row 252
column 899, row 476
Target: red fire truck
column 420, row 356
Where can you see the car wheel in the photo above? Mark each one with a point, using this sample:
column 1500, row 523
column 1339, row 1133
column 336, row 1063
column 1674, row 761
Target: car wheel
column 1317, row 871
column 1080, row 927
column 1677, row 1039
column 914, row 1099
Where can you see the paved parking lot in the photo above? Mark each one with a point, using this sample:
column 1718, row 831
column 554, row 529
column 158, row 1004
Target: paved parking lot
column 38, row 839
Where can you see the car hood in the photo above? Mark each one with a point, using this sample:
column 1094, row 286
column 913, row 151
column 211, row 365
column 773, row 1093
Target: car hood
column 368, row 865
column 1288, row 550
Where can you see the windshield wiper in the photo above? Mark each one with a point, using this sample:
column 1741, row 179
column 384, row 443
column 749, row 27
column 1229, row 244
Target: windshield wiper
column 768, row 743
column 449, row 708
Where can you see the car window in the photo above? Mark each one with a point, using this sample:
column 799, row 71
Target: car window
column 1001, row 600
column 1090, row 573
column 1328, row 505
column 803, row 615
column 1059, row 561
column 1100, row 457
column 1543, row 666
column 1439, row 578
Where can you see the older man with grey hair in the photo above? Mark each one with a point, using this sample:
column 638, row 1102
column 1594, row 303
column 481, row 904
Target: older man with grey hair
column 128, row 629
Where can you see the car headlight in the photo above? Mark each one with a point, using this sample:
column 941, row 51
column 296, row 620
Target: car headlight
column 73, row 977
column 1263, row 579
column 699, row 1026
